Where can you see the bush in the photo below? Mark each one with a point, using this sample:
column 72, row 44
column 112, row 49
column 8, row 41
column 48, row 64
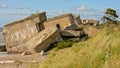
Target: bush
column 64, row 44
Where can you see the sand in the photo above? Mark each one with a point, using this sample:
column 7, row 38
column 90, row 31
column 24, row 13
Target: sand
column 19, row 61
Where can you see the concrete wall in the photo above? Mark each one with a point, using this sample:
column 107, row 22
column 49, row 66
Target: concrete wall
column 91, row 22
column 19, row 32
column 63, row 21
column 40, row 41
column 43, row 40
column 77, row 19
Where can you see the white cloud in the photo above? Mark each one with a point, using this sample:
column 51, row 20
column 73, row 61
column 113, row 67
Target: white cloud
column 4, row 5
column 61, row 11
column 88, row 12
column 82, row 8
column 88, row 9
column 18, row 7
column 100, row 10
column 56, row 13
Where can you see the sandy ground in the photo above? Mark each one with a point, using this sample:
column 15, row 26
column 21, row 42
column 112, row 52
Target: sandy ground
column 19, row 61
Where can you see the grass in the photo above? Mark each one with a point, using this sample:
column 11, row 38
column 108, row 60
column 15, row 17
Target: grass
column 64, row 44
column 100, row 51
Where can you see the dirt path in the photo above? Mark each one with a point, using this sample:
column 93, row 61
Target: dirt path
column 19, row 61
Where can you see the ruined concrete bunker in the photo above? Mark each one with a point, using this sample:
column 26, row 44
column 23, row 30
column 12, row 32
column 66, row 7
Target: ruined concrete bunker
column 21, row 31
column 35, row 33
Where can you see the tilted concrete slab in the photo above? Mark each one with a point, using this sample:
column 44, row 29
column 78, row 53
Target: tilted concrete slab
column 70, row 33
column 62, row 21
column 19, row 32
column 30, row 35
column 77, row 20
column 39, row 42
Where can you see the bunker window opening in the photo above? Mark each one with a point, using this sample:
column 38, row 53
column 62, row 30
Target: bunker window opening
column 58, row 26
column 39, row 27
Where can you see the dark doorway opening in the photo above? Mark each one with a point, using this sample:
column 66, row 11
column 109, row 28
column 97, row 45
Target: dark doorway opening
column 58, row 26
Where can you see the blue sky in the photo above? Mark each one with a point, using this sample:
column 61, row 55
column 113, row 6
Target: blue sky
column 12, row 10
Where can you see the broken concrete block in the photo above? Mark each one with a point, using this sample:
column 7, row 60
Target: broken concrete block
column 90, row 22
column 70, row 33
column 62, row 21
column 39, row 42
column 21, row 31
column 77, row 20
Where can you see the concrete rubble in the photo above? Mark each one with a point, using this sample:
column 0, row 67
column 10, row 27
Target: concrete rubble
column 35, row 33
column 90, row 22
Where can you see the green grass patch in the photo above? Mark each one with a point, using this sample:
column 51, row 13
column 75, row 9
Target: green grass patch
column 100, row 51
column 64, row 44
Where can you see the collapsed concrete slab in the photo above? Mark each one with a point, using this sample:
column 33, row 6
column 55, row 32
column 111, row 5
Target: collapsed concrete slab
column 35, row 33
column 77, row 20
column 39, row 42
column 70, row 33
column 21, row 31
column 65, row 21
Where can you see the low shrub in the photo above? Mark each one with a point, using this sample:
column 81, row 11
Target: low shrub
column 64, row 44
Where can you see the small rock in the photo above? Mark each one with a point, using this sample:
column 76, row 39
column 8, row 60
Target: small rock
column 42, row 53
column 23, row 53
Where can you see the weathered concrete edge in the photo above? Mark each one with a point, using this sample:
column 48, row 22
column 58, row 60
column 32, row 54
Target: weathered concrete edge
column 60, row 16
column 27, row 18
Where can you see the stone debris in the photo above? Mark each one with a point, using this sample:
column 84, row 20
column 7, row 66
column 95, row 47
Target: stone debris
column 42, row 52
column 90, row 22
column 35, row 33
column 77, row 20
column 23, row 53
